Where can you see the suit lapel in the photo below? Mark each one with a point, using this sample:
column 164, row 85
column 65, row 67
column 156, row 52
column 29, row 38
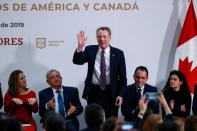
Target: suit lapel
column 112, row 59
column 134, row 94
column 50, row 94
column 66, row 97
column 93, row 54
column 145, row 89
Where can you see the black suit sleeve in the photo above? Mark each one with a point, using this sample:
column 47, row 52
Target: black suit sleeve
column 1, row 98
column 127, row 107
column 76, row 102
column 194, row 106
column 80, row 58
column 122, row 75
column 42, row 103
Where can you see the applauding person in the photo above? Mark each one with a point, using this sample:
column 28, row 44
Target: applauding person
column 177, row 94
column 20, row 101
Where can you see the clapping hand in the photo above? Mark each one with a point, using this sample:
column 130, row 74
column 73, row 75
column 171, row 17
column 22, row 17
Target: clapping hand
column 31, row 101
column 51, row 103
column 71, row 110
column 17, row 101
column 172, row 104
column 183, row 108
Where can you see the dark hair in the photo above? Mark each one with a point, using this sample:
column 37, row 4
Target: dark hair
column 191, row 123
column 12, row 82
column 142, row 68
column 94, row 115
column 109, row 124
column 9, row 123
column 54, row 121
column 168, row 126
column 184, row 87
column 104, row 28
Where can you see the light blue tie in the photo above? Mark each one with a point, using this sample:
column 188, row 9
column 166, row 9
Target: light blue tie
column 60, row 103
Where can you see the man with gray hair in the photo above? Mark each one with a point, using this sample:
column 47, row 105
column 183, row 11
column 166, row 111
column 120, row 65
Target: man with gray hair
column 62, row 99
column 106, row 80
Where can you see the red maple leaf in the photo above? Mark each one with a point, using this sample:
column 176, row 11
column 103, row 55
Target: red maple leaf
column 190, row 75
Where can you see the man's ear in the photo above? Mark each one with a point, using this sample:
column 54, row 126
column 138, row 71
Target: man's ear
column 47, row 81
column 147, row 79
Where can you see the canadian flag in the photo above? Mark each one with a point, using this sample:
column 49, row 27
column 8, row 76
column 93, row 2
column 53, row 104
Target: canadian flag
column 186, row 52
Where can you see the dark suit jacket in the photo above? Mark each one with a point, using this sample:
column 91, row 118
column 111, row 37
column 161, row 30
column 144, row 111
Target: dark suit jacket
column 71, row 95
column 90, row 129
column 118, row 80
column 1, row 98
column 194, row 106
column 130, row 102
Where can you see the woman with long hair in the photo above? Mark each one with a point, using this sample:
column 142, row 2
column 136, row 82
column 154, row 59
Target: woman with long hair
column 20, row 101
column 177, row 94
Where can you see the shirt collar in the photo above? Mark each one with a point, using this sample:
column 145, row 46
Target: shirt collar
column 142, row 88
column 60, row 89
column 107, row 50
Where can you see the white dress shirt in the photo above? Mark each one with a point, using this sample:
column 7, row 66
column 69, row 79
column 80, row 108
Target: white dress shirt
column 97, row 71
column 142, row 90
column 56, row 99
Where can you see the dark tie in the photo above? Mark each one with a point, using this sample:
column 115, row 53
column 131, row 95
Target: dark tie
column 139, row 93
column 60, row 103
column 103, row 72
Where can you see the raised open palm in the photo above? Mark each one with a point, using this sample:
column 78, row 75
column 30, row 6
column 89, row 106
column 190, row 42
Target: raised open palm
column 81, row 40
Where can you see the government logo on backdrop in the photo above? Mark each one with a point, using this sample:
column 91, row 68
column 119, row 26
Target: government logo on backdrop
column 41, row 42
